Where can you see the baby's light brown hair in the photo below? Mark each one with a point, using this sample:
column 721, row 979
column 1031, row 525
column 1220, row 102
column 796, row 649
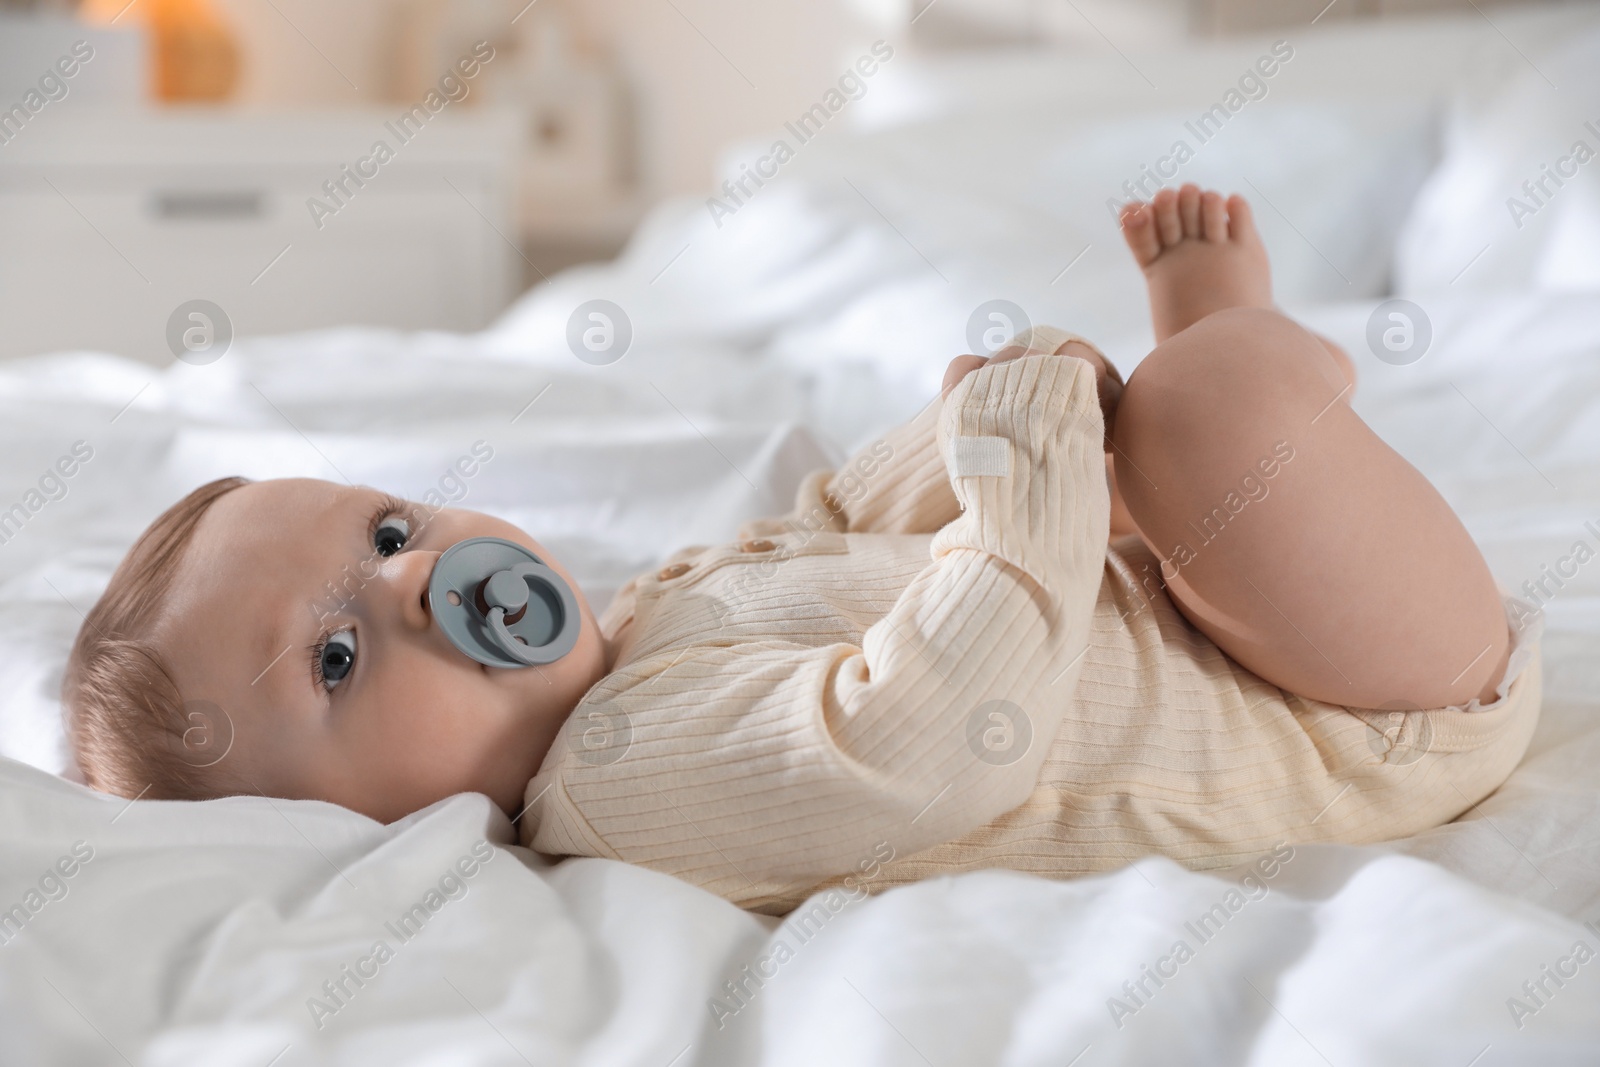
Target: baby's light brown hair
column 126, row 719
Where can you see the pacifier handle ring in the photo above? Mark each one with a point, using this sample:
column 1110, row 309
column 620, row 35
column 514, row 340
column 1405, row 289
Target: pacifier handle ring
column 534, row 655
column 475, row 578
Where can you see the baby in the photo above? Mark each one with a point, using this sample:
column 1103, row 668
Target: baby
column 1052, row 624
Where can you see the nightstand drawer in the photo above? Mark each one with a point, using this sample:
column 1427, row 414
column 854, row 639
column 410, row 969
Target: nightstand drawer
column 98, row 255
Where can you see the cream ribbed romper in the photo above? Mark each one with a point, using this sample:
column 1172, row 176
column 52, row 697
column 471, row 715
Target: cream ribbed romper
column 937, row 657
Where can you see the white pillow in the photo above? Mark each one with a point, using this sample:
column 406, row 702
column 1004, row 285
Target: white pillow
column 1476, row 225
column 1017, row 204
column 1330, row 181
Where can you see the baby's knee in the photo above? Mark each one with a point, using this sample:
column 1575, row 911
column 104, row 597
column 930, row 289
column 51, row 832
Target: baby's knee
column 1244, row 341
column 1239, row 358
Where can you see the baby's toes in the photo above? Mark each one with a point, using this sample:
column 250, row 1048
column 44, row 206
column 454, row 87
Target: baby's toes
column 1214, row 216
column 1241, row 222
column 1189, row 210
column 1168, row 223
column 1139, row 230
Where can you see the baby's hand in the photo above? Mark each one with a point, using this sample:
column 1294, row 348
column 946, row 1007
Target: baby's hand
column 1107, row 381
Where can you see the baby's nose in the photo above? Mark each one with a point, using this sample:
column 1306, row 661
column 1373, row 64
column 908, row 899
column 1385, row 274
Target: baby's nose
column 405, row 576
column 500, row 605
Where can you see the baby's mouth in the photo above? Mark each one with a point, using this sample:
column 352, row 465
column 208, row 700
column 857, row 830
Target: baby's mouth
column 482, row 587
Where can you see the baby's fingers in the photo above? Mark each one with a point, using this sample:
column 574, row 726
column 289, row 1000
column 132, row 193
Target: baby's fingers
column 958, row 369
column 962, row 366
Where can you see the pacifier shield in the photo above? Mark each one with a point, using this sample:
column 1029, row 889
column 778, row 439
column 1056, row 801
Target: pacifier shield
column 501, row 605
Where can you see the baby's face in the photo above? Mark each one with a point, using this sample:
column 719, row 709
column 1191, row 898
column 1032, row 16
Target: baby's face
column 301, row 611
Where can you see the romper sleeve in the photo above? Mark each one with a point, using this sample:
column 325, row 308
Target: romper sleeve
column 895, row 484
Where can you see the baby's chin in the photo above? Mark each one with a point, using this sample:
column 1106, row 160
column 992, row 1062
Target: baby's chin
column 543, row 715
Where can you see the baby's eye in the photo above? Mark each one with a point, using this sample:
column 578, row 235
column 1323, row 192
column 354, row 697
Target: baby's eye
column 391, row 535
column 336, row 658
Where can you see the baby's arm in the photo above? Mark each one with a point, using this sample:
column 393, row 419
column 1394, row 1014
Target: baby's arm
column 769, row 764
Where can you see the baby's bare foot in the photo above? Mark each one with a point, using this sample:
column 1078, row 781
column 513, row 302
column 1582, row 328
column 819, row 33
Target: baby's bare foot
column 1199, row 253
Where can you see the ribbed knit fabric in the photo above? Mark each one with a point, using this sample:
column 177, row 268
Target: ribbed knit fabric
column 937, row 653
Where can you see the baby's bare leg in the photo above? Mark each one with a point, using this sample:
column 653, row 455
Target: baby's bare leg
column 1299, row 542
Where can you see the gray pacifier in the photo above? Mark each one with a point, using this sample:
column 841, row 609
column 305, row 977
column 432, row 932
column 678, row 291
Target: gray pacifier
column 499, row 604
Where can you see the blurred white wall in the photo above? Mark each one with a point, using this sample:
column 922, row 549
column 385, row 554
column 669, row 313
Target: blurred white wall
column 300, row 52
column 703, row 72
column 707, row 71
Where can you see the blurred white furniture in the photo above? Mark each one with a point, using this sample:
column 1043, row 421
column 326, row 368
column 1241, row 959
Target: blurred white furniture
column 30, row 45
column 580, row 198
column 112, row 219
column 1104, row 25
column 578, row 194
column 578, row 191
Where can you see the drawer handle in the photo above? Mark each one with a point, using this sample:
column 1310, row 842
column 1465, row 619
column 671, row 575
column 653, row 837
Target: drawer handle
column 209, row 206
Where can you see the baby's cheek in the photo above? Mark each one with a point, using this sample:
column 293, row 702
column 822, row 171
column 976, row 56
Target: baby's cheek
column 432, row 731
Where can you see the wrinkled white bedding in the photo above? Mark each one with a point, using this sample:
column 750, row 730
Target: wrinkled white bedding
column 200, row 932
column 205, row 932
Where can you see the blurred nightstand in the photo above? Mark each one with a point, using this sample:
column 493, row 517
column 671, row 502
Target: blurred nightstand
column 560, row 235
column 115, row 218
column 578, row 196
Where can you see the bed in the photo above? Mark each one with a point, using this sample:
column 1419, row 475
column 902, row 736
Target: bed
column 247, row 931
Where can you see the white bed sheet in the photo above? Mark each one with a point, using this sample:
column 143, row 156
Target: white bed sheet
column 201, row 932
